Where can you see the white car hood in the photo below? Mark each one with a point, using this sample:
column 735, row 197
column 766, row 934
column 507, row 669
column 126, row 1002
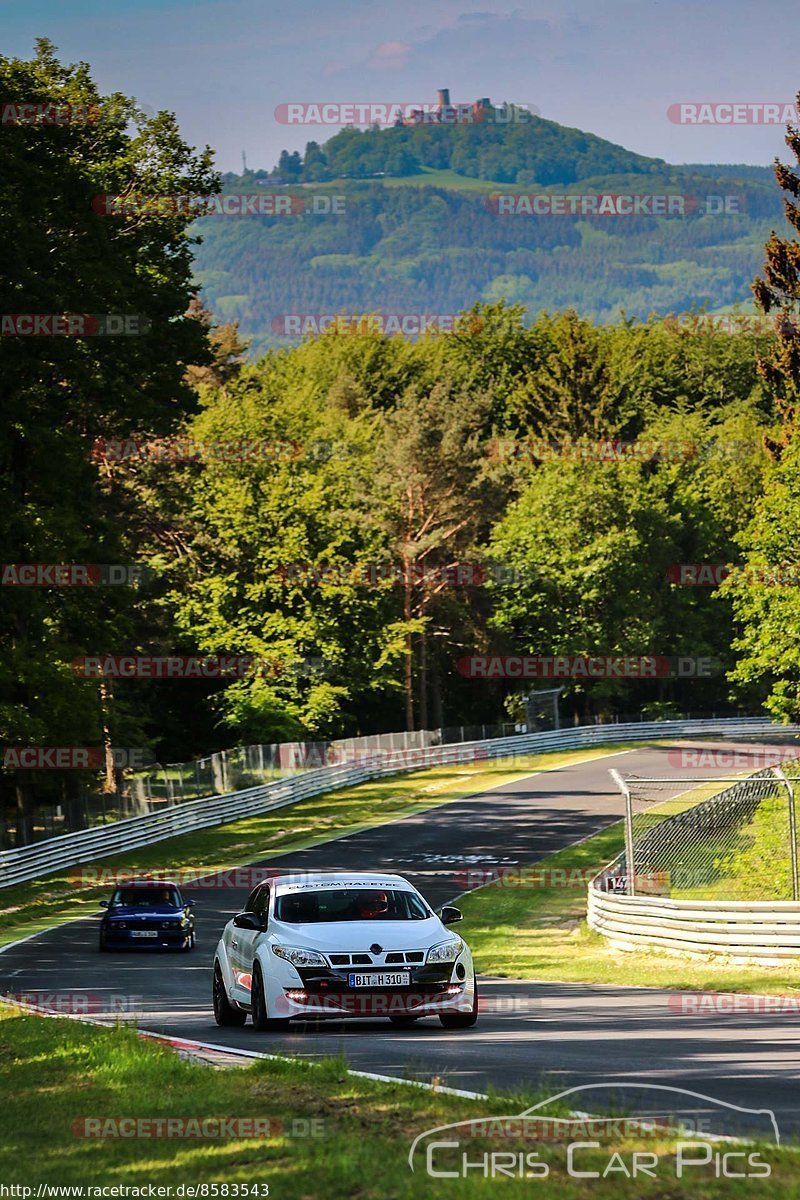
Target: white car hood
column 358, row 936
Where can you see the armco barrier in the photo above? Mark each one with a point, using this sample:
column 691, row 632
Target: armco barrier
column 759, row 931
column 71, row 849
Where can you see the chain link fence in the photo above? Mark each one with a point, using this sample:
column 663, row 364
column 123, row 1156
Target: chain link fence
column 163, row 786
column 715, row 840
column 248, row 766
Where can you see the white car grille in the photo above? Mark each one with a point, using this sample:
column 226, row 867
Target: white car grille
column 413, row 958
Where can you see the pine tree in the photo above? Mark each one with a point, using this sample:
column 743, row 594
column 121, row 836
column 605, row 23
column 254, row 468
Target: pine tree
column 779, row 291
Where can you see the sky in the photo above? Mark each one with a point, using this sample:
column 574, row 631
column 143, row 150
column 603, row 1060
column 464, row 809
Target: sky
column 612, row 67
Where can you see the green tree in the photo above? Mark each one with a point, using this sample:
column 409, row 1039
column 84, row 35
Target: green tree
column 63, row 254
column 439, row 501
column 595, row 546
column 765, row 596
column 274, row 554
column 779, row 290
column 567, row 394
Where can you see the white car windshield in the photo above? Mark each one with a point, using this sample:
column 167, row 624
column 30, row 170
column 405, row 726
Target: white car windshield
column 349, row 904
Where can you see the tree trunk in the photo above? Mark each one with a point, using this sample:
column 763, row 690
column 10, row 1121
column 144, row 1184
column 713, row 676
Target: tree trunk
column 436, row 694
column 72, row 802
column 409, row 685
column 423, row 680
column 106, row 696
column 24, row 821
column 409, row 663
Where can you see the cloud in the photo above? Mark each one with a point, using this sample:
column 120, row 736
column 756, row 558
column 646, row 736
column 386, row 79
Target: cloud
column 389, row 54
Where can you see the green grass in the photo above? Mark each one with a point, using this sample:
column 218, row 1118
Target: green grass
column 30, row 907
column 748, row 863
column 61, row 1072
column 447, row 178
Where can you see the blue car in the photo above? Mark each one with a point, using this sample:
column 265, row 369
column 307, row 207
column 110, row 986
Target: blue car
column 147, row 913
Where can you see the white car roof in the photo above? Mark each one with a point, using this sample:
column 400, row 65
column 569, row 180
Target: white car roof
column 303, row 880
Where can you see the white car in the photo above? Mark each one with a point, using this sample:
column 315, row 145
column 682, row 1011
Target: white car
column 335, row 945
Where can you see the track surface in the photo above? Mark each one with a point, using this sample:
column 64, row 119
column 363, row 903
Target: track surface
column 572, row 1034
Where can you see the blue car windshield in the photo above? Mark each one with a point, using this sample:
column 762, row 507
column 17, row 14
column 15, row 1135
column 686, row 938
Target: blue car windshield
column 349, row 904
column 149, row 897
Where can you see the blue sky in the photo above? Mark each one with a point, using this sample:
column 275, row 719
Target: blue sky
column 612, row 67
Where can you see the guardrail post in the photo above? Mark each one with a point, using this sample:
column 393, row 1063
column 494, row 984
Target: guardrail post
column 792, row 830
column 629, row 856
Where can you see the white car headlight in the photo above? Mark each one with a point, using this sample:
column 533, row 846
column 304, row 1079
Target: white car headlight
column 300, row 957
column 445, row 952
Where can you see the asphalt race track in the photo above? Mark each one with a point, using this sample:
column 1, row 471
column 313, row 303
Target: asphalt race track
column 571, row 1034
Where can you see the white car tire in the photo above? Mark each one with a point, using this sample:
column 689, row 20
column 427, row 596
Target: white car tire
column 259, row 1010
column 462, row 1020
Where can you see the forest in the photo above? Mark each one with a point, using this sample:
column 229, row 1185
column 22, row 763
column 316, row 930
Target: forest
column 347, row 520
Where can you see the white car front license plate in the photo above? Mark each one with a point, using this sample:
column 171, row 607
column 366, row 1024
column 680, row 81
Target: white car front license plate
column 144, row 933
column 381, row 979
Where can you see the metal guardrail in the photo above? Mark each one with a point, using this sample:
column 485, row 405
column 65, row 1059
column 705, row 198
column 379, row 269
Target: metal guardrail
column 759, row 931
column 89, row 845
column 764, row 931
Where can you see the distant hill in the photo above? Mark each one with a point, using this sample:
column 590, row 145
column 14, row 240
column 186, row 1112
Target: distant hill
column 406, row 220
column 529, row 151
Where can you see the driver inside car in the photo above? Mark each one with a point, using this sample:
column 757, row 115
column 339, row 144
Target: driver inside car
column 372, row 905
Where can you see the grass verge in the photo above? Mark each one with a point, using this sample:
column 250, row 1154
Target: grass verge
column 62, row 1073
column 31, row 907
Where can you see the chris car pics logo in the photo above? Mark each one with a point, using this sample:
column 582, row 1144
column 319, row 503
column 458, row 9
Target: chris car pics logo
column 701, row 1134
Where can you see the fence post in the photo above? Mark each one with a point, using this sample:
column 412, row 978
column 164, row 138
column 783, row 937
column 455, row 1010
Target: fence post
column 629, row 857
column 792, row 830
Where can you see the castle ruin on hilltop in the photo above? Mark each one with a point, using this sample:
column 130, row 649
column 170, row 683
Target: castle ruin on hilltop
column 445, row 113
